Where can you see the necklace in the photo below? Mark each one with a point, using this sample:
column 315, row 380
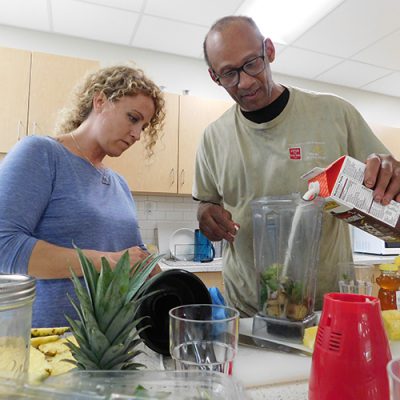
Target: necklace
column 105, row 179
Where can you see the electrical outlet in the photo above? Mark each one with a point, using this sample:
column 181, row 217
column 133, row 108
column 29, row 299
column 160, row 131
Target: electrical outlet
column 150, row 207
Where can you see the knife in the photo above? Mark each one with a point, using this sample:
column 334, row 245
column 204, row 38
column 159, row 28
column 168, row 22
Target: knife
column 262, row 343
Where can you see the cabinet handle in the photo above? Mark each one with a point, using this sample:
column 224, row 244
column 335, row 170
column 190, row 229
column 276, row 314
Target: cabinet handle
column 172, row 176
column 182, row 177
column 34, row 126
column 19, row 127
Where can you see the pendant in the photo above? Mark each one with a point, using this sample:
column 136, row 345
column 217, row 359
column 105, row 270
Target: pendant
column 105, row 180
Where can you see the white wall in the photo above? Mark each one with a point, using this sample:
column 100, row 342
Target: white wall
column 178, row 73
column 154, row 209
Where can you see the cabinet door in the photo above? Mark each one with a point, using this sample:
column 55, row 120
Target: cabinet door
column 52, row 80
column 14, row 83
column 194, row 116
column 159, row 173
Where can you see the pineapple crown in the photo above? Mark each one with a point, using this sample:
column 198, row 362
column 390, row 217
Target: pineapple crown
column 106, row 328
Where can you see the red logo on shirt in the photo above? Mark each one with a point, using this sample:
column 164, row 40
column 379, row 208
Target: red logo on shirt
column 295, row 153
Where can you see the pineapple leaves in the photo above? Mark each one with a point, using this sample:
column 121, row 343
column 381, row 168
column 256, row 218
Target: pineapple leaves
column 106, row 328
column 119, row 353
column 105, row 278
column 89, row 273
column 123, row 317
column 140, row 272
column 80, row 353
column 82, row 295
column 113, row 299
column 133, row 366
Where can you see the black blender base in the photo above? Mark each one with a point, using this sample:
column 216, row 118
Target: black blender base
column 282, row 329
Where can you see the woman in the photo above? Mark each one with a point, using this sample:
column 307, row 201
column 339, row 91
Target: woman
column 56, row 192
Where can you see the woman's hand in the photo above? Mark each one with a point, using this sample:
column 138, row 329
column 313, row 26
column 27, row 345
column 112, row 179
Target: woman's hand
column 136, row 254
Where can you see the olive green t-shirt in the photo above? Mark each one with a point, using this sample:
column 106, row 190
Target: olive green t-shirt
column 238, row 161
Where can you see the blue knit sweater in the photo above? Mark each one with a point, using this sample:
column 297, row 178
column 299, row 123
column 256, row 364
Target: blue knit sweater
column 48, row 193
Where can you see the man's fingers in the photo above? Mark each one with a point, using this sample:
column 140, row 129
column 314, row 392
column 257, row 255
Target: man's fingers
column 382, row 183
column 393, row 189
column 214, row 232
column 382, row 174
column 216, row 222
column 225, row 223
column 373, row 164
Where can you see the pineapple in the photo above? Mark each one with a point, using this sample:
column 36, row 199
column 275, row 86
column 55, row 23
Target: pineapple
column 39, row 332
column 309, row 336
column 107, row 331
column 391, row 321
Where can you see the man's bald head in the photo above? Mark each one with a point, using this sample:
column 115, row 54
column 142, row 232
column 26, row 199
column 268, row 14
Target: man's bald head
column 227, row 23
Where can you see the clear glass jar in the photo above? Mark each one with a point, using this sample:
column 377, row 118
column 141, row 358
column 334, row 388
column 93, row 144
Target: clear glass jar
column 389, row 282
column 17, row 293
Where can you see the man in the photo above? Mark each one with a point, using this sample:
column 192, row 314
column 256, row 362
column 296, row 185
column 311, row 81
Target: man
column 261, row 147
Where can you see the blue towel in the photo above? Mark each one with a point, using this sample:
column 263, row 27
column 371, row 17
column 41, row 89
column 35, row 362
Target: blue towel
column 216, row 296
column 217, row 299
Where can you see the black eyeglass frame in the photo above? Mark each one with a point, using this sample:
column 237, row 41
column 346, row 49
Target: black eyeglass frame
column 238, row 70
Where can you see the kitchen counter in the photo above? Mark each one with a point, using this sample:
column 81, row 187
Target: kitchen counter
column 210, row 272
column 372, row 258
column 285, row 367
column 293, row 390
column 192, row 266
column 216, row 264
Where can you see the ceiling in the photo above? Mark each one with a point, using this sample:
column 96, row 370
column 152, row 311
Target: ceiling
column 356, row 45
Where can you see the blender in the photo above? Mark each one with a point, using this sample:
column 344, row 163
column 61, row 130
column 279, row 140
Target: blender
column 286, row 231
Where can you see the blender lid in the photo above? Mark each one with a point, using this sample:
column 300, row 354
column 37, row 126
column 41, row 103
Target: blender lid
column 173, row 288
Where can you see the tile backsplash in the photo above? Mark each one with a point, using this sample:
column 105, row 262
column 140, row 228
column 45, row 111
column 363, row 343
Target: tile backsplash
column 152, row 209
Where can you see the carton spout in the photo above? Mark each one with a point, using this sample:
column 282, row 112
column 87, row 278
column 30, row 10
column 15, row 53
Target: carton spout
column 312, row 192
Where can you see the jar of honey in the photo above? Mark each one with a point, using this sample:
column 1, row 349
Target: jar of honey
column 389, row 282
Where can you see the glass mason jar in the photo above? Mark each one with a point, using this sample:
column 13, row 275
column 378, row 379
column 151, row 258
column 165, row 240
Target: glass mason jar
column 17, row 293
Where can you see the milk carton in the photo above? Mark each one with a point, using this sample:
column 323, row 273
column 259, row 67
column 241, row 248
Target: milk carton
column 341, row 184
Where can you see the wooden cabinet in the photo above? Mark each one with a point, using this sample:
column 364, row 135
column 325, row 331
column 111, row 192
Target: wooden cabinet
column 52, row 80
column 14, row 82
column 389, row 136
column 211, row 279
column 35, row 87
column 195, row 114
column 171, row 168
column 159, row 173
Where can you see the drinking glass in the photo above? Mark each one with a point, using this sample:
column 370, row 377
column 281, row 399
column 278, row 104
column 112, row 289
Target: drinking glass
column 393, row 369
column 204, row 337
column 355, row 278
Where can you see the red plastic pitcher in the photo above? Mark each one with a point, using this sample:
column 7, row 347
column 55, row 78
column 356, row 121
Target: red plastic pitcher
column 351, row 350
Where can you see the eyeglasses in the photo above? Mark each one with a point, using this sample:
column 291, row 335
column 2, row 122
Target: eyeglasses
column 252, row 68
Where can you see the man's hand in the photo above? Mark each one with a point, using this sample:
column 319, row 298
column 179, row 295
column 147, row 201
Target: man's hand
column 216, row 222
column 382, row 174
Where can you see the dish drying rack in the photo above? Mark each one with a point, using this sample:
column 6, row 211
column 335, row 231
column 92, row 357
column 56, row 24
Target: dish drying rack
column 187, row 252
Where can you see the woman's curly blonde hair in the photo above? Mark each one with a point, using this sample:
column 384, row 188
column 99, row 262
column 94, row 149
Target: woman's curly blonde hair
column 115, row 82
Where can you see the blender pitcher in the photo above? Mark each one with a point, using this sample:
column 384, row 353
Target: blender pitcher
column 286, row 232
